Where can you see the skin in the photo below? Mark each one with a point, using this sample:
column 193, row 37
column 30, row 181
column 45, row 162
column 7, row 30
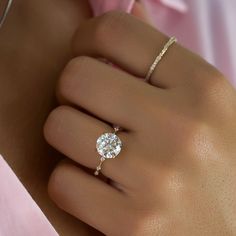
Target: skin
column 35, row 46
column 176, row 172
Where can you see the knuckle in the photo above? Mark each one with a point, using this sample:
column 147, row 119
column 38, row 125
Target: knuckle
column 214, row 97
column 213, row 88
column 189, row 131
column 205, row 71
column 191, row 136
column 109, row 27
column 197, row 141
column 213, row 84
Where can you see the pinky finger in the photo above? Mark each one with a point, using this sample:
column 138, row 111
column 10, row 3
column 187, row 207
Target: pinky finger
column 88, row 198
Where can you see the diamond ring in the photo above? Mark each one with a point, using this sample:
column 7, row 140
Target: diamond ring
column 159, row 57
column 108, row 146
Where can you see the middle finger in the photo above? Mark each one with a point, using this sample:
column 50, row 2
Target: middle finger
column 107, row 92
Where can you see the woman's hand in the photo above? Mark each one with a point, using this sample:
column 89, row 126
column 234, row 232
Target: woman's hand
column 176, row 173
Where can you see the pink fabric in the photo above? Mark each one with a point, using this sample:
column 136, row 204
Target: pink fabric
column 204, row 26
column 19, row 214
column 101, row 6
column 178, row 5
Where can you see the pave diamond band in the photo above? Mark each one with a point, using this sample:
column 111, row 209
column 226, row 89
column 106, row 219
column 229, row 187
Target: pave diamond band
column 5, row 12
column 171, row 41
column 108, row 146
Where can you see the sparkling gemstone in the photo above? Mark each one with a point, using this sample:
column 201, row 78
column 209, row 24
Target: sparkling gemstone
column 109, row 145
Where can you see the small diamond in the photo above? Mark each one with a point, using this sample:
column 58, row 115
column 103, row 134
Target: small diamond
column 109, row 145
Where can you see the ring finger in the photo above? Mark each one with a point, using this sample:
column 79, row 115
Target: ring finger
column 74, row 133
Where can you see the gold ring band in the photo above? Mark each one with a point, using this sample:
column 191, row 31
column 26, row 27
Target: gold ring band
column 159, row 57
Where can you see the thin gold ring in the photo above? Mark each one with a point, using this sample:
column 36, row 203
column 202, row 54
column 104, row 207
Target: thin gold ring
column 159, row 57
column 5, row 12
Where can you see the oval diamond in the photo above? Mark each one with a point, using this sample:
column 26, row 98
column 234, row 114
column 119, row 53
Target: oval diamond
column 109, row 145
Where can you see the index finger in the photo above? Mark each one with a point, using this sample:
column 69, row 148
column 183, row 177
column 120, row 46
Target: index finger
column 133, row 45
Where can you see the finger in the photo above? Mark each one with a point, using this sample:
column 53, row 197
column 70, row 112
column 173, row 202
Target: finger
column 139, row 11
column 133, row 45
column 107, row 92
column 88, row 198
column 75, row 133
